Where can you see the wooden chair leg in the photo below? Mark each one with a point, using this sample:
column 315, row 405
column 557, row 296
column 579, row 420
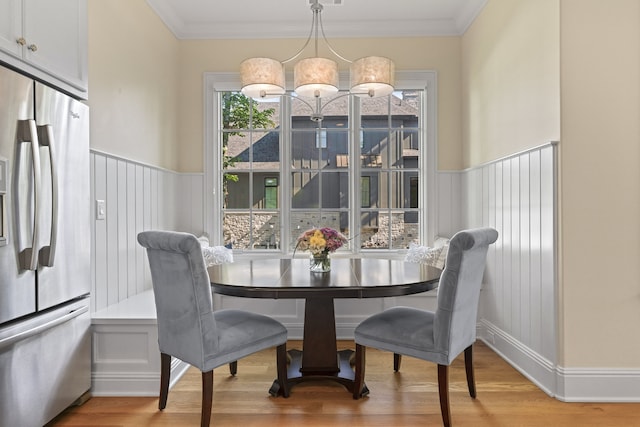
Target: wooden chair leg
column 443, row 386
column 165, row 373
column 281, row 362
column 397, row 359
column 233, row 367
column 358, row 381
column 207, row 398
column 468, row 365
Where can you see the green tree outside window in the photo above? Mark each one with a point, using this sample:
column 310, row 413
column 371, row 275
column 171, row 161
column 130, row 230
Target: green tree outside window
column 239, row 112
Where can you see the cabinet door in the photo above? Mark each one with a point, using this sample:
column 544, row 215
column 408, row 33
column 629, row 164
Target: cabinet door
column 56, row 38
column 11, row 26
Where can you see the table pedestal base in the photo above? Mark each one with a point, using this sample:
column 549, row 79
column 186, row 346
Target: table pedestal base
column 320, row 359
column 295, row 374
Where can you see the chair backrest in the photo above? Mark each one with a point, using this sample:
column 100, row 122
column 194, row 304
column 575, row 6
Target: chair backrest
column 186, row 325
column 459, row 290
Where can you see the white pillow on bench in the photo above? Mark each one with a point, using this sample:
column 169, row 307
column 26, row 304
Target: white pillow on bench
column 434, row 256
column 214, row 255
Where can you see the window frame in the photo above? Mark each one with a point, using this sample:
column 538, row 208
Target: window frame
column 422, row 80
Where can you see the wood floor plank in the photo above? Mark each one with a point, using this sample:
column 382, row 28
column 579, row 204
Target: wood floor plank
column 407, row 398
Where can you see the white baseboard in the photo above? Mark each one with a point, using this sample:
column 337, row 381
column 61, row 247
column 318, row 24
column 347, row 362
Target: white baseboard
column 564, row 384
column 598, row 385
column 134, row 383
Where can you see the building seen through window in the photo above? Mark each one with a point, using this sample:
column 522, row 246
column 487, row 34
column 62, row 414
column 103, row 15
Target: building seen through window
column 356, row 170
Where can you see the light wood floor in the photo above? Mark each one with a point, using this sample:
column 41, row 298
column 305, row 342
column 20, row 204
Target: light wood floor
column 408, row 398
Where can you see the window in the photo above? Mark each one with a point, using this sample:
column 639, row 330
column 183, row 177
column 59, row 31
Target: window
column 365, row 188
column 413, row 192
column 321, row 141
column 363, row 169
column 271, row 193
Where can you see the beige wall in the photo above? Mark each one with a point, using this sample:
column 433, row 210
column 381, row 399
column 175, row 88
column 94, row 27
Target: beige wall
column 569, row 70
column 510, row 79
column 133, row 83
column 600, row 81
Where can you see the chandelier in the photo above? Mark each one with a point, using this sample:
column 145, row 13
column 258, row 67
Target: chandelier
column 316, row 77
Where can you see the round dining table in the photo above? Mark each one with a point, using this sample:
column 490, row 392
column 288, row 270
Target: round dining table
column 319, row 358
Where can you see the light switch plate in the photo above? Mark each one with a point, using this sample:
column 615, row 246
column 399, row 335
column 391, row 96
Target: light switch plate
column 101, row 209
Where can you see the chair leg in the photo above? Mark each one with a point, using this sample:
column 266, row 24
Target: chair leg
column 233, row 367
column 281, row 361
column 443, row 386
column 468, row 365
column 358, row 381
column 207, row 398
column 165, row 373
column 397, row 360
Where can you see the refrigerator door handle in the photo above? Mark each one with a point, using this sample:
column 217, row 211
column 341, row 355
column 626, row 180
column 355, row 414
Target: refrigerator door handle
column 6, row 342
column 47, row 253
column 27, row 132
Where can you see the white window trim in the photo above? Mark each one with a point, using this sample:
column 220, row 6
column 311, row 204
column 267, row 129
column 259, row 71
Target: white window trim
column 421, row 80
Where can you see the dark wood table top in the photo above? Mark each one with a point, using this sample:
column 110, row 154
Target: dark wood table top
column 348, row 278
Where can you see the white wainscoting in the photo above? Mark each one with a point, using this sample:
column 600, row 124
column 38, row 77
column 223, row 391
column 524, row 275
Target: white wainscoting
column 518, row 314
column 138, row 197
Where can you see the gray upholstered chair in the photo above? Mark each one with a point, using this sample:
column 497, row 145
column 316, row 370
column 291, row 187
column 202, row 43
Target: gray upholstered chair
column 189, row 329
column 439, row 336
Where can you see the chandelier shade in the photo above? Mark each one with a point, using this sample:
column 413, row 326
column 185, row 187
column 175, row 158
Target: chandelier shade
column 315, row 77
column 372, row 75
column 261, row 76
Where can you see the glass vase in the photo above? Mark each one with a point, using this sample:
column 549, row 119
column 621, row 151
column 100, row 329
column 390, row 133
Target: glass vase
column 320, row 263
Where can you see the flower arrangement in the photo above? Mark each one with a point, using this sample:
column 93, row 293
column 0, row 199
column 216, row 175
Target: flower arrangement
column 321, row 241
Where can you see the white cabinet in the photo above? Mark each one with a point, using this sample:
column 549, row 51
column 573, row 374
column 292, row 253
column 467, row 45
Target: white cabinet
column 11, row 26
column 47, row 39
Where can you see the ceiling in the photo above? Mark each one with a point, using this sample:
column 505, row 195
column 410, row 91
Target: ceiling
column 253, row 19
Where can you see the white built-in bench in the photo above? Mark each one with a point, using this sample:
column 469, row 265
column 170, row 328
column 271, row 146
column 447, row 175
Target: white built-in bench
column 126, row 359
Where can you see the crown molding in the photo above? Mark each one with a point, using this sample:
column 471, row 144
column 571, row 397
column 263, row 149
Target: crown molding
column 290, row 28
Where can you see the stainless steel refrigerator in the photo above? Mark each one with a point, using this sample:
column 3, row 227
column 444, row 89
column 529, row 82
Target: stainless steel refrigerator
column 45, row 343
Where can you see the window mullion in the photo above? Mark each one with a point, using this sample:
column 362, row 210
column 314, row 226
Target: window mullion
column 285, row 171
column 355, row 189
column 213, row 165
